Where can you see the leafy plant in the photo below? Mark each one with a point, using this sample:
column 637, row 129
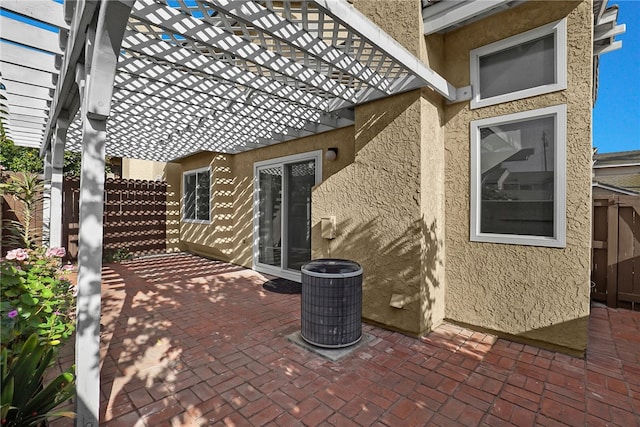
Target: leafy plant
column 19, row 159
column 28, row 189
column 120, row 254
column 35, row 298
column 26, row 159
column 24, row 400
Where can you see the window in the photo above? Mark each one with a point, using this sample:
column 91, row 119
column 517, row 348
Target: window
column 525, row 65
column 518, row 178
column 195, row 196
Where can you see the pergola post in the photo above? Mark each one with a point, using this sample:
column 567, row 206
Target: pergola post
column 55, row 202
column 46, row 198
column 96, row 79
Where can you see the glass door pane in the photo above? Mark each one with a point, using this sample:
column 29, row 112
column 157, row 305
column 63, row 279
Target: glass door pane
column 300, row 178
column 270, row 216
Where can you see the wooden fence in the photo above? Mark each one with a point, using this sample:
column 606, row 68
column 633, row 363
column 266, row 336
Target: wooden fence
column 135, row 214
column 11, row 210
column 615, row 261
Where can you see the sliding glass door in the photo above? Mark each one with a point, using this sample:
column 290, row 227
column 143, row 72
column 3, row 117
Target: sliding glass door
column 282, row 213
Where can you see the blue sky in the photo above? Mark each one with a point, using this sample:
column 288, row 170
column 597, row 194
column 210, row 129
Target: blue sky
column 616, row 116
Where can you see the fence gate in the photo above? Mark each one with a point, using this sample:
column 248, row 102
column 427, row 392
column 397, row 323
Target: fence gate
column 134, row 216
column 615, row 261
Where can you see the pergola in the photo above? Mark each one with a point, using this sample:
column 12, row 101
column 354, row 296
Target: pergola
column 163, row 79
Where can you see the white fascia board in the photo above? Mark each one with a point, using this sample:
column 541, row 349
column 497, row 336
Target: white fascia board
column 351, row 18
column 614, row 189
column 49, row 12
column 620, row 165
column 28, row 57
column 26, row 75
column 600, row 50
column 29, row 35
column 448, row 13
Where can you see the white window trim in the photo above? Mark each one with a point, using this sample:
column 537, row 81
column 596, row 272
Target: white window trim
column 294, row 158
column 191, row 172
column 558, row 28
column 559, row 193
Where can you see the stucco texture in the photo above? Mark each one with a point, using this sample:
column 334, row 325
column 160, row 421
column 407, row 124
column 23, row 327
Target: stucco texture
column 389, row 203
column 173, row 176
column 400, row 193
column 530, row 292
column 142, row 169
column 229, row 234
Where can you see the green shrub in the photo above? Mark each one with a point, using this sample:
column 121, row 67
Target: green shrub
column 35, row 298
column 25, row 400
column 120, row 254
column 27, row 189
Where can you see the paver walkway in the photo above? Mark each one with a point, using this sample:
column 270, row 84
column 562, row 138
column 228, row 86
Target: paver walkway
column 194, row 342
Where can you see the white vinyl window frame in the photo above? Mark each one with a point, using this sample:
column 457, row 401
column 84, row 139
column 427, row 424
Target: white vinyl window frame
column 558, row 240
column 195, row 201
column 558, row 29
column 278, row 162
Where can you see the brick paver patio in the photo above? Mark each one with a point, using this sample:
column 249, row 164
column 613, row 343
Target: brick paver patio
column 194, row 342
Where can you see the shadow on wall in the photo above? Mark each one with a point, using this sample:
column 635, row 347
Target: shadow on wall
column 243, row 220
column 403, row 269
column 569, row 337
column 380, row 115
column 215, row 238
column 172, row 175
column 222, row 206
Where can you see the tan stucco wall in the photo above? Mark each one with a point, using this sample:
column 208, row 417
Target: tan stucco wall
column 531, row 292
column 173, row 176
column 142, row 169
column 215, row 237
column 243, row 168
column 229, row 235
column 389, row 204
column 377, row 202
column 400, row 193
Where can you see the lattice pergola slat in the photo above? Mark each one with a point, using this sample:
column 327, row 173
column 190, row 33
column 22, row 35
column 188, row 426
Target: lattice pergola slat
column 197, row 75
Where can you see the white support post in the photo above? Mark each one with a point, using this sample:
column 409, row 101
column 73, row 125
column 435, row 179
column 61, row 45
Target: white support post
column 46, row 199
column 101, row 56
column 57, row 163
column 90, row 272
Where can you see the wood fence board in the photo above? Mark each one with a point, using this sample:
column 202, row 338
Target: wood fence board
column 616, row 243
column 12, row 210
column 600, row 222
column 134, row 215
column 635, row 288
column 612, row 256
column 599, row 272
column 625, row 251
